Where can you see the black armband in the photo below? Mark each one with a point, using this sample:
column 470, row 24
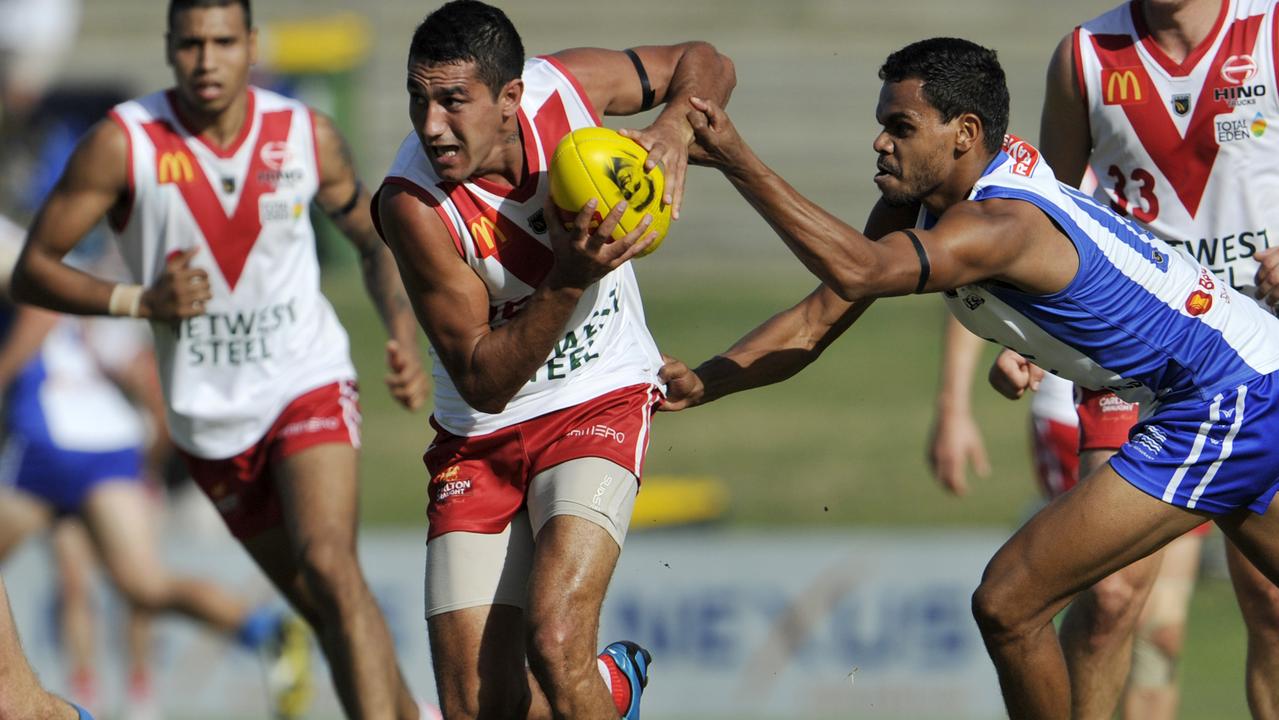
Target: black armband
column 925, row 268
column 645, row 88
column 349, row 205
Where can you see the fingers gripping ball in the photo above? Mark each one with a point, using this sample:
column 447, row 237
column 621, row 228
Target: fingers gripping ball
column 596, row 162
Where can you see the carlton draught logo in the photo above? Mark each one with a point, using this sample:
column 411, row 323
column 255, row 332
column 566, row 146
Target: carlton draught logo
column 1122, row 86
column 175, row 167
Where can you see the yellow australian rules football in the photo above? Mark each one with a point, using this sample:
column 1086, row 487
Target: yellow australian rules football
column 596, row 162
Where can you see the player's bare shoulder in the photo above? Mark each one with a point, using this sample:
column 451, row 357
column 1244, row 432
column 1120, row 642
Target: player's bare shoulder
column 101, row 160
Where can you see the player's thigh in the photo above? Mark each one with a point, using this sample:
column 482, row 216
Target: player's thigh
column 319, row 493
column 118, row 516
column 20, row 515
column 580, row 511
column 1100, row 526
column 471, row 569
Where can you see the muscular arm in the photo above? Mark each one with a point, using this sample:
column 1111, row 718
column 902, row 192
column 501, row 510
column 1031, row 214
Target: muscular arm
column 1064, row 136
column 95, row 180
column 489, row 365
column 344, row 199
column 675, row 73
column 784, row 344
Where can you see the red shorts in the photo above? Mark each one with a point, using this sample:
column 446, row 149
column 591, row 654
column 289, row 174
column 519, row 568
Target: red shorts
column 1055, row 450
column 242, row 487
column 1104, row 420
column 479, row 483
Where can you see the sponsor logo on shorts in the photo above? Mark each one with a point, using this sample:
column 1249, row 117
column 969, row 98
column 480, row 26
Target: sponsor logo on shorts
column 597, row 501
column 1113, row 404
column 311, row 425
column 446, row 484
column 603, row 431
column 1149, row 441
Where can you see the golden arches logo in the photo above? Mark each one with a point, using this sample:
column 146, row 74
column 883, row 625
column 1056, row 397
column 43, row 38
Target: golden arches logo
column 488, row 236
column 175, row 167
column 1120, row 85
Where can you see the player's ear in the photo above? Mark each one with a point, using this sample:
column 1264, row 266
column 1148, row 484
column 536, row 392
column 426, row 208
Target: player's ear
column 968, row 132
column 510, row 97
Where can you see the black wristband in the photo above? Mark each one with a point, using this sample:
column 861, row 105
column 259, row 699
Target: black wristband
column 350, row 204
column 645, row 88
column 925, row 268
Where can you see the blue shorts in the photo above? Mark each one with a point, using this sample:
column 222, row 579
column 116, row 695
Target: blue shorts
column 64, row 478
column 1216, row 456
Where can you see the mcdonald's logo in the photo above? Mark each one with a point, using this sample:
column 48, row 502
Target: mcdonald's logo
column 175, row 167
column 1122, row 86
column 488, row 237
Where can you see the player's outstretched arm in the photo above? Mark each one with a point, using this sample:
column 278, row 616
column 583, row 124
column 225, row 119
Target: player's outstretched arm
column 345, row 200
column 955, row 439
column 489, row 365
column 95, row 183
column 625, row 83
column 23, row 697
column 776, row 350
column 783, row 345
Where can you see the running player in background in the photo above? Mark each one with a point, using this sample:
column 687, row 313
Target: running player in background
column 1037, row 266
column 546, row 375
column 73, row 447
column 208, row 186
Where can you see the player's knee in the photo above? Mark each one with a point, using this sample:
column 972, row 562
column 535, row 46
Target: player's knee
column 554, row 653
column 330, row 571
column 999, row 612
column 477, row 700
column 145, row 593
column 1113, row 604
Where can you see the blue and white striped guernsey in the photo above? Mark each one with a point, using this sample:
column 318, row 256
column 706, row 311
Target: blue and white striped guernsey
column 1139, row 318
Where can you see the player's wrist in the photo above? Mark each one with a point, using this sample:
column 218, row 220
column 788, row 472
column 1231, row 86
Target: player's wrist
column 125, row 300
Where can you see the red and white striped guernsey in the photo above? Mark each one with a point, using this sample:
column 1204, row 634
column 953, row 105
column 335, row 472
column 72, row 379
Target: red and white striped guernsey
column 268, row 335
column 501, row 233
column 1186, row 148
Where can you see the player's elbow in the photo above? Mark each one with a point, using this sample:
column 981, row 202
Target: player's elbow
column 485, row 400
column 850, row 283
column 725, row 70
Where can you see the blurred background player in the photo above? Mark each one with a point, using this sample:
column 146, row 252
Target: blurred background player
column 73, row 446
column 208, row 186
column 1148, row 96
column 540, row 345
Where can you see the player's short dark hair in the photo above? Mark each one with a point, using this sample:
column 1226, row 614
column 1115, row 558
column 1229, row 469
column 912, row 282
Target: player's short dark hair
column 471, row 31
column 959, row 77
column 178, row 6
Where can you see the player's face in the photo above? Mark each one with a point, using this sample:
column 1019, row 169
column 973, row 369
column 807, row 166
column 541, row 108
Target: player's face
column 462, row 127
column 211, row 50
column 914, row 146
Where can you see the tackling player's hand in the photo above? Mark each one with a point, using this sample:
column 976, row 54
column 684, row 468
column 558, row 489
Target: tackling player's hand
column 180, row 292
column 407, row 379
column 667, row 146
column 954, row 443
column 716, row 143
column 1267, row 278
column 586, row 252
column 684, row 389
column 1012, row 375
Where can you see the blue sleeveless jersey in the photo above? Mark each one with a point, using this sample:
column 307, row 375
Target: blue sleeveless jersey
column 1153, row 325
column 1139, row 318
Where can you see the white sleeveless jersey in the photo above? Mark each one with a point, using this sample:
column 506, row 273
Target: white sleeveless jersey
column 501, row 233
column 1138, row 319
column 1187, row 149
column 268, row 335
